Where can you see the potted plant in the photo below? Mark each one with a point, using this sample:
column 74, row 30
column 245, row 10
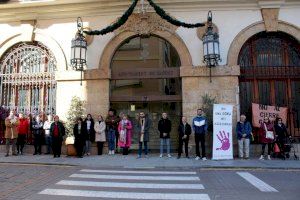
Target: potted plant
column 76, row 110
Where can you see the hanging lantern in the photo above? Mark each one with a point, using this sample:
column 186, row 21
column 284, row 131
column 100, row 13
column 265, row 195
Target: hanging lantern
column 78, row 49
column 211, row 48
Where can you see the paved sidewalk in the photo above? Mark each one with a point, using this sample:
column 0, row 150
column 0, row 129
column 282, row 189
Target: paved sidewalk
column 153, row 161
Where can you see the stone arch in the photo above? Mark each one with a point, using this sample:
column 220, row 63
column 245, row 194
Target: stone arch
column 173, row 38
column 248, row 32
column 39, row 36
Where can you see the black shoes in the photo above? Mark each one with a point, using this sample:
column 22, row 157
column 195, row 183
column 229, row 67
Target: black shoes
column 178, row 157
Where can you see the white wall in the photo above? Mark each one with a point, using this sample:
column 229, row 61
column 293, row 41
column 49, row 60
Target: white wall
column 229, row 23
column 63, row 32
column 290, row 15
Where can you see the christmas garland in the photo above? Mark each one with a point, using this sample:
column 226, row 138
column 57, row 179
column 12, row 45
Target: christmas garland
column 122, row 20
column 170, row 19
column 117, row 24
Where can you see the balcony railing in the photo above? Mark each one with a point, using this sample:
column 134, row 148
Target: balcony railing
column 270, row 72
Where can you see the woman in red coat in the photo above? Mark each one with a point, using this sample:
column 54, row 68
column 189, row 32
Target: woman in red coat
column 23, row 129
column 266, row 137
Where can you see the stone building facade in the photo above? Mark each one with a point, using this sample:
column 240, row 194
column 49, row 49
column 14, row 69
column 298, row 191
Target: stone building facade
column 52, row 25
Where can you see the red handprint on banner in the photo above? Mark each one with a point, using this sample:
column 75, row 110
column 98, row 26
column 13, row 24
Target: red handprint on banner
column 224, row 139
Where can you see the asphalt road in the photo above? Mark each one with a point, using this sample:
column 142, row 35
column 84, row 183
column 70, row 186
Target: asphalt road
column 35, row 182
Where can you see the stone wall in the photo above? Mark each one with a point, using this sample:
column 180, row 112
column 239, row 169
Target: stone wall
column 196, row 83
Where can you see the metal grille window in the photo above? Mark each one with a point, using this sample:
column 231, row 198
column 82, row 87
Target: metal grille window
column 27, row 79
column 270, row 55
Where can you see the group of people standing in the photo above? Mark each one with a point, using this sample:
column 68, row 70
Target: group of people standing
column 269, row 134
column 118, row 132
column 17, row 129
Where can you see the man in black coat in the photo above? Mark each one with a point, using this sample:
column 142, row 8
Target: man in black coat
column 164, row 128
column 184, row 132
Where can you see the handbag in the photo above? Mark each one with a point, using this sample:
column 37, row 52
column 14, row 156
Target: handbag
column 123, row 136
column 269, row 134
column 276, row 148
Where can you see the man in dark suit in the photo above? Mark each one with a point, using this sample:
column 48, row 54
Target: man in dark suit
column 184, row 132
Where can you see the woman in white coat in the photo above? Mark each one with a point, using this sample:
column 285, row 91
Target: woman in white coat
column 100, row 137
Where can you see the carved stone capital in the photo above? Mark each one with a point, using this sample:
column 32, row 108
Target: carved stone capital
column 146, row 24
column 270, row 17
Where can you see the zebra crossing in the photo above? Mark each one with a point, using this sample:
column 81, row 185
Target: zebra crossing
column 129, row 184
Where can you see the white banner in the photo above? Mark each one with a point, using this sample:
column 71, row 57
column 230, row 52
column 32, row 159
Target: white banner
column 222, row 135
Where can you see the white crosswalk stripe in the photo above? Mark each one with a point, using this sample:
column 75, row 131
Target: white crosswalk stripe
column 138, row 172
column 149, row 178
column 131, row 184
column 125, row 195
column 256, row 182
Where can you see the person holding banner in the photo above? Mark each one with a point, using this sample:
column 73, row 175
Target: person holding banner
column 243, row 130
column 200, row 128
column 266, row 137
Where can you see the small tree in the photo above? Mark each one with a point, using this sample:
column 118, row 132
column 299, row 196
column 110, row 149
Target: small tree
column 76, row 110
column 208, row 106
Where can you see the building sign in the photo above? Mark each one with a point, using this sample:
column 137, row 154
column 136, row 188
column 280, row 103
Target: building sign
column 222, row 134
column 260, row 111
column 151, row 73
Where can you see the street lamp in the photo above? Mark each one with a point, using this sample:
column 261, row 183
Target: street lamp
column 78, row 49
column 211, row 48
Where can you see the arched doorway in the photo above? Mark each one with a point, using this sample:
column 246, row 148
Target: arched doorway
column 270, row 74
column 145, row 76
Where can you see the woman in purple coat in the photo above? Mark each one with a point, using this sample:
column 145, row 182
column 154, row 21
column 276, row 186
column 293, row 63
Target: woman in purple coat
column 266, row 137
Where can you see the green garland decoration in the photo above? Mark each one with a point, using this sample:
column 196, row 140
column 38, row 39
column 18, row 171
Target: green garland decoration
column 170, row 19
column 122, row 20
column 117, row 24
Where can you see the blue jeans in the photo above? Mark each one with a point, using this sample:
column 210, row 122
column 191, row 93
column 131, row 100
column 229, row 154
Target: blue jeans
column 111, row 139
column 88, row 146
column 141, row 148
column 164, row 141
column 48, row 141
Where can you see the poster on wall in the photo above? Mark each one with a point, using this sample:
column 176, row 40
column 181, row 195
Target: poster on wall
column 222, row 134
column 260, row 111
